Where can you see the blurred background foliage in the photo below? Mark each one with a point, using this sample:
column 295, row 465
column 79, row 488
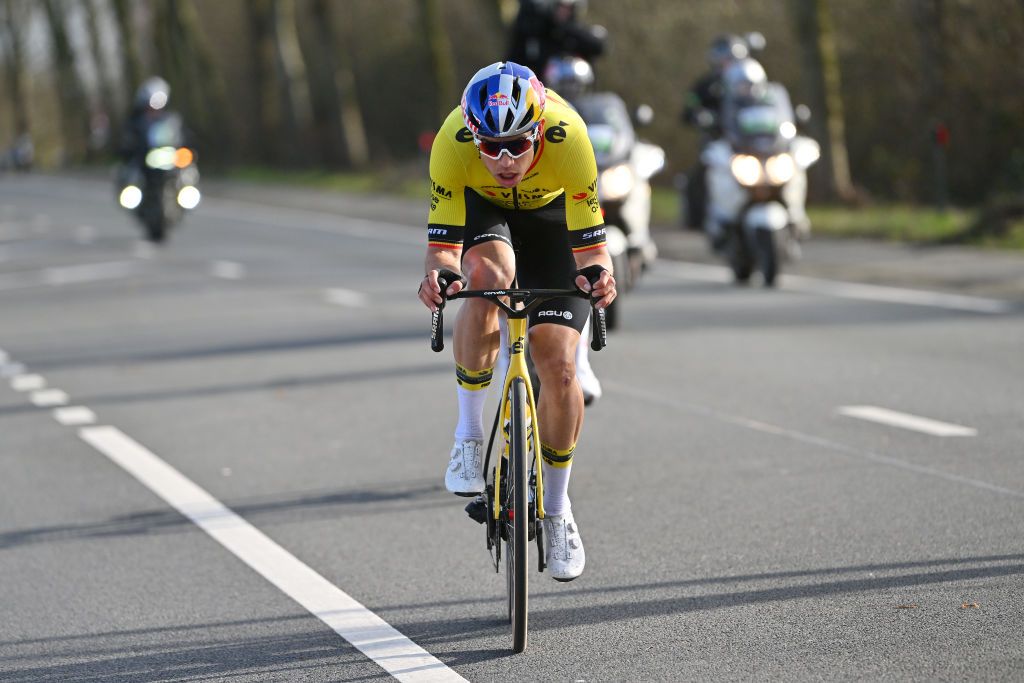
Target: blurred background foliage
column 360, row 84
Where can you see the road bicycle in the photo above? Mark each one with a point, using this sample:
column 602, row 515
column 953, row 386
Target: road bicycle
column 512, row 504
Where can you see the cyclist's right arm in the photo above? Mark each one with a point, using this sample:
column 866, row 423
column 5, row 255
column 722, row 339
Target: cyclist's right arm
column 447, row 222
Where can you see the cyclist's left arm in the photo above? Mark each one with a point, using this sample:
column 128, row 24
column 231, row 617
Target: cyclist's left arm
column 584, row 219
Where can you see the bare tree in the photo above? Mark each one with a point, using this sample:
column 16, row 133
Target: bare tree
column 74, row 115
column 291, row 71
column 107, row 101
column 822, row 74
column 131, row 64
column 187, row 63
column 13, row 27
column 261, row 60
column 342, row 112
column 440, row 51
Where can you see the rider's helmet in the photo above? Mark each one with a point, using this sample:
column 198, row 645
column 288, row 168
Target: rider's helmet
column 153, row 94
column 502, row 100
column 744, row 77
column 725, row 49
column 570, row 76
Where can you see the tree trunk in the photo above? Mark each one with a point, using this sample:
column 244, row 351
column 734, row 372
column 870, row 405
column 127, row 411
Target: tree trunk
column 261, row 59
column 15, row 19
column 187, row 63
column 74, row 114
column 929, row 19
column 292, row 81
column 441, row 63
column 131, row 64
column 107, row 101
column 344, row 116
column 823, row 83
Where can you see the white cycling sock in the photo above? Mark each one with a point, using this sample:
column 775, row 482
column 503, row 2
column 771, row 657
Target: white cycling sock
column 583, row 348
column 556, row 489
column 471, row 414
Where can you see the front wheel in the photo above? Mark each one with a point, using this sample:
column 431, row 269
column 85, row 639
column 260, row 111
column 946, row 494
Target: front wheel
column 766, row 245
column 518, row 550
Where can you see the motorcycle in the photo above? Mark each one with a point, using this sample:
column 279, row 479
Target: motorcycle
column 161, row 186
column 625, row 166
column 757, row 183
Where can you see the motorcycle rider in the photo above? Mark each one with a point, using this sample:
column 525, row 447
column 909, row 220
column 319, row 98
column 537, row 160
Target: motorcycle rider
column 149, row 108
column 702, row 109
column 551, row 28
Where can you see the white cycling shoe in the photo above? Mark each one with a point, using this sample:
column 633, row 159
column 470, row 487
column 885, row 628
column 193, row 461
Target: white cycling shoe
column 588, row 383
column 465, row 475
column 565, row 556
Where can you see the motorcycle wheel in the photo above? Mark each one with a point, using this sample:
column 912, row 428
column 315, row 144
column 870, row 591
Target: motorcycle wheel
column 739, row 260
column 767, row 248
column 156, row 229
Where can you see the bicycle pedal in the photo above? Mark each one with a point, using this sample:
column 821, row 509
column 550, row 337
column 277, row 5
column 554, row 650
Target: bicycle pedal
column 477, row 510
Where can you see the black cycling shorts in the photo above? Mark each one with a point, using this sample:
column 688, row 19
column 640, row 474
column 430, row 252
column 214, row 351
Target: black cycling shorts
column 544, row 258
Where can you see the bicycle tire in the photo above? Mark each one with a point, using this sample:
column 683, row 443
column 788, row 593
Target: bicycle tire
column 518, row 551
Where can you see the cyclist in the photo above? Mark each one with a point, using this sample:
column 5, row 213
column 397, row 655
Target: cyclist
column 514, row 198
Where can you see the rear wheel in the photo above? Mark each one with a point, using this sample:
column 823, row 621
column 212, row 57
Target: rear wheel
column 518, row 550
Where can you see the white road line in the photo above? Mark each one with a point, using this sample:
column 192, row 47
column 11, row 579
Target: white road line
column 374, row 637
column 914, row 422
column 28, row 383
column 346, row 297
column 702, row 272
column 227, row 270
column 47, row 398
column 795, row 435
column 73, row 416
column 336, row 224
column 66, row 275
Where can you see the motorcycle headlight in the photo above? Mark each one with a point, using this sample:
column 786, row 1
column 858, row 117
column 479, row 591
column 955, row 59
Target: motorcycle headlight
column 162, row 158
column 188, row 197
column 616, row 182
column 747, row 169
column 780, row 169
column 131, row 197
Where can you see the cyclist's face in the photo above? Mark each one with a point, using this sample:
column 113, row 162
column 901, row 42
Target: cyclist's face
column 506, row 170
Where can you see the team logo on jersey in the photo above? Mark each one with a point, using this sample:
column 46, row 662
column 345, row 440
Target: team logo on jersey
column 580, row 196
column 441, row 191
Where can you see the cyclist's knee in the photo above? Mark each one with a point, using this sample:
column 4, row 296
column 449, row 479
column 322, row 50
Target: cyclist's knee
column 554, row 357
column 488, row 273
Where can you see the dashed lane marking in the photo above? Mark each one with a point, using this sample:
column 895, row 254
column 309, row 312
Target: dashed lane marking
column 346, row 297
column 370, row 634
column 73, row 416
column 227, row 270
column 28, row 382
column 47, row 398
column 915, row 423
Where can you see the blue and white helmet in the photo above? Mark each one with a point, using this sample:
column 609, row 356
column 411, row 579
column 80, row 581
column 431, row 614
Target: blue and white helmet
column 502, row 100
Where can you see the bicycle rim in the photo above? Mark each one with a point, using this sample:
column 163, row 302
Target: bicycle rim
column 519, row 547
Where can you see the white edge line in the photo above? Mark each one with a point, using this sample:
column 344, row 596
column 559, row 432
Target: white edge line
column 370, row 634
column 703, row 272
column 915, row 423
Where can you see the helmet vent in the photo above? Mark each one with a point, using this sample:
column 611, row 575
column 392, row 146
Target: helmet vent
column 517, row 91
column 509, row 120
column 490, row 119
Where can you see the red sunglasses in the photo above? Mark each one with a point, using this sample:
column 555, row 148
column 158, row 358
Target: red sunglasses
column 514, row 147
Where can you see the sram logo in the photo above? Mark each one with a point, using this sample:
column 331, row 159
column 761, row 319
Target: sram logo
column 556, row 314
column 437, row 231
column 594, row 234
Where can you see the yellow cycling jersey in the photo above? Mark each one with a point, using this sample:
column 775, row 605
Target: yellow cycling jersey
column 563, row 162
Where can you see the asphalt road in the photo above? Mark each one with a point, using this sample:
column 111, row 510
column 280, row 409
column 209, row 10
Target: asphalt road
column 253, row 478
